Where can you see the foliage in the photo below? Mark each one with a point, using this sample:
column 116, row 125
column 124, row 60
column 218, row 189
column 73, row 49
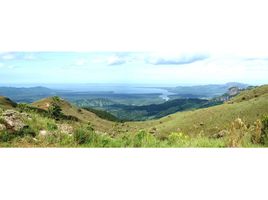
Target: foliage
column 82, row 136
column 51, row 126
column 26, row 131
column 177, row 138
column 264, row 130
column 237, row 133
column 103, row 114
column 257, row 133
column 5, row 136
column 55, row 111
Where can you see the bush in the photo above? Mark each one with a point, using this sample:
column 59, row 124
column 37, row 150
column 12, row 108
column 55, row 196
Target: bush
column 257, row 133
column 82, row 136
column 6, row 137
column 237, row 133
column 144, row 139
column 51, row 126
column 264, row 130
column 55, row 111
column 56, row 99
column 26, row 131
column 177, row 138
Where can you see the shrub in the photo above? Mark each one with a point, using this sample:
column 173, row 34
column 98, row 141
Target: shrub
column 55, row 111
column 2, row 121
column 257, row 133
column 82, row 136
column 237, row 133
column 177, row 138
column 6, row 137
column 51, row 126
column 264, row 130
column 56, row 99
column 144, row 139
column 26, row 131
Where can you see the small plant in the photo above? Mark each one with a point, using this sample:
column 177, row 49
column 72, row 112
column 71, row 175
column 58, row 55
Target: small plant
column 51, row 126
column 257, row 133
column 26, row 131
column 81, row 136
column 176, row 138
column 6, row 137
column 144, row 139
column 264, row 130
column 237, row 133
column 2, row 121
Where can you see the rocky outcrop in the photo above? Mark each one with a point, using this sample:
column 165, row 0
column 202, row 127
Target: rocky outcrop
column 66, row 128
column 12, row 121
column 233, row 91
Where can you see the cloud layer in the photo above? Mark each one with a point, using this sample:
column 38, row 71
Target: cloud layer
column 131, row 67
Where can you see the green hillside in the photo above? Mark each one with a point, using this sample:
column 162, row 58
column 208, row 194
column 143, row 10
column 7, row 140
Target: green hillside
column 213, row 119
column 6, row 103
column 240, row 122
column 253, row 93
column 82, row 115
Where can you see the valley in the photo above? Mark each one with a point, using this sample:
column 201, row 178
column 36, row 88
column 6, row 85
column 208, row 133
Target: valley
column 183, row 122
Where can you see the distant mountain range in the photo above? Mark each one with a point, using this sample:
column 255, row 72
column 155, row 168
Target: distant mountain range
column 30, row 94
column 204, row 91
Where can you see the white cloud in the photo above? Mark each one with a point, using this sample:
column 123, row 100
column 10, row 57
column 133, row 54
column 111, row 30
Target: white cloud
column 29, row 57
column 81, row 62
column 116, row 60
column 8, row 56
column 175, row 58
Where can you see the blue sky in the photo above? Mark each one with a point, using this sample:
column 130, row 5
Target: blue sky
column 130, row 67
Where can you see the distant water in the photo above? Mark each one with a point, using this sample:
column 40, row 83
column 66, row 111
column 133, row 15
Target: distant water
column 116, row 88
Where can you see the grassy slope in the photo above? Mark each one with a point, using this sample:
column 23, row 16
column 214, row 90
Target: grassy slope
column 212, row 120
column 82, row 114
column 6, row 103
column 250, row 94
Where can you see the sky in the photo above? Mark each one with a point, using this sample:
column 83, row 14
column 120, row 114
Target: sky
column 130, row 67
column 142, row 41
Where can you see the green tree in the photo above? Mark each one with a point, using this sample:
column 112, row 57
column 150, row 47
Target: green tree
column 55, row 111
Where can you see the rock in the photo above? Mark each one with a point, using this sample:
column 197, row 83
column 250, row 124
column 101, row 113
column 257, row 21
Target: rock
column 13, row 120
column 220, row 134
column 65, row 128
column 43, row 132
column 233, row 91
column 153, row 130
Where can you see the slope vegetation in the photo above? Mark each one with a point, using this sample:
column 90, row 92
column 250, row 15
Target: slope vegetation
column 6, row 103
column 81, row 114
column 250, row 105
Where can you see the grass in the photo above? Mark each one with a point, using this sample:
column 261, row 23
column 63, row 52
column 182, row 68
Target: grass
column 6, row 103
column 82, row 115
column 85, row 136
column 208, row 120
column 242, row 121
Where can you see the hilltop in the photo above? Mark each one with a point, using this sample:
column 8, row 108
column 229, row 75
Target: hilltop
column 82, row 115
